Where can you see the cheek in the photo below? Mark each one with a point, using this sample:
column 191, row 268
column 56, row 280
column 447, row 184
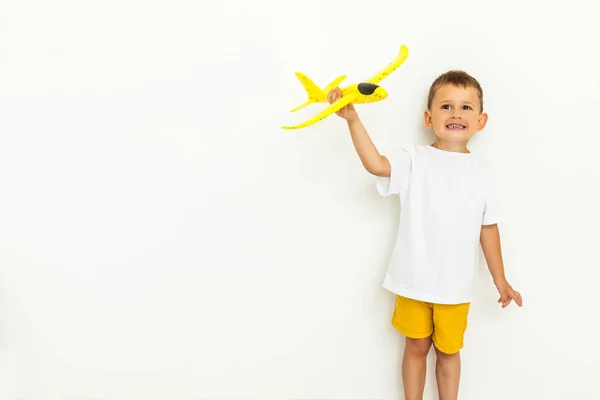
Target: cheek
column 440, row 121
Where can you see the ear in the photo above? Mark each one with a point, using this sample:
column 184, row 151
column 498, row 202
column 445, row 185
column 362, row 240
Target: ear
column 481, row 121
column 427, row 118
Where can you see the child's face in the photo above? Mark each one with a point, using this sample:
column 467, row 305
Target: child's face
column 455, row 114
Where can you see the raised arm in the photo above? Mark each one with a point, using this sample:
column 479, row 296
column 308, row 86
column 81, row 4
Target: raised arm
column 373, row 162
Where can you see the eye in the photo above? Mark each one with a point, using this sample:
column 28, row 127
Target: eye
column 467, row 108
column 446, row 106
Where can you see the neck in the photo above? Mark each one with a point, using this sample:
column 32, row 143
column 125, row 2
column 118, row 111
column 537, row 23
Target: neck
column 457, row 147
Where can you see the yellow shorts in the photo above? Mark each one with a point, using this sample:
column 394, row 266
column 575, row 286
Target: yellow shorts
column 446, row 322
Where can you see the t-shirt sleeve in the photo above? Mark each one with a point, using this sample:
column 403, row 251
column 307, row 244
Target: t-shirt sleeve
column 492, row 213
column 398, row 181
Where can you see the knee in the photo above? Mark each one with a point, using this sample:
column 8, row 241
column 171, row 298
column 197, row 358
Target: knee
column 418, row 347
column 446, row 357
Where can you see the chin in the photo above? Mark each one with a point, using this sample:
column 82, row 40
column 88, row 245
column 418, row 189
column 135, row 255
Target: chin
column 455, row 138
column 459, row 136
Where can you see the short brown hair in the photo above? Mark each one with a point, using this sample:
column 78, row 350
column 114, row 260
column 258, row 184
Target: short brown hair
column 455, row 78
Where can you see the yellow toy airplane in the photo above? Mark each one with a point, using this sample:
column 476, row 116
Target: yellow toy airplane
column 364, row 92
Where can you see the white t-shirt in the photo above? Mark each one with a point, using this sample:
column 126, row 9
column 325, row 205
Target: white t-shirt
column 445, row 198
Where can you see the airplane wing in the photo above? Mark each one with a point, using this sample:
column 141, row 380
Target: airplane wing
column 335, row 106
column 391, row 66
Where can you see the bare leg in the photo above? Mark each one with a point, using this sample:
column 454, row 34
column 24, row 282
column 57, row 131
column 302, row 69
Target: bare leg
column 414, row 366
column 447, row 371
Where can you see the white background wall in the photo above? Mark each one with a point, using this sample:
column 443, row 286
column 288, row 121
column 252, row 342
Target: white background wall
column 162, row 237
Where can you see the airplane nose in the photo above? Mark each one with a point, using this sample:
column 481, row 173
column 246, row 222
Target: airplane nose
column 380, row 93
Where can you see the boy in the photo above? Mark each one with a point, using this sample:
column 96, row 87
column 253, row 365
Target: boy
column 448, row 208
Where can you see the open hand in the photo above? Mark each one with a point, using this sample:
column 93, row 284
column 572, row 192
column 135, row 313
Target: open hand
column 347, row 112
column 508, row 294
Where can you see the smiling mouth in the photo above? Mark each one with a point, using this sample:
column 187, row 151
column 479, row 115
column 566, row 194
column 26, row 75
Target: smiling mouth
column 456, row 127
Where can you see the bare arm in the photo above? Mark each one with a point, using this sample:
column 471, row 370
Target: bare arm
column 490, row 244
column 373, row 162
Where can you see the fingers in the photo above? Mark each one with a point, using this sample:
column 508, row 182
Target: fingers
column 333, row 95
column 502, row 300
column 505, row 300
column 518, row 298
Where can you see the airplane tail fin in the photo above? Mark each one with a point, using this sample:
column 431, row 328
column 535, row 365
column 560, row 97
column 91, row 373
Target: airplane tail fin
column 316, row 95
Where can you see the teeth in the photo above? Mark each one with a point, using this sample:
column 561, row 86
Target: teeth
column 455, row 126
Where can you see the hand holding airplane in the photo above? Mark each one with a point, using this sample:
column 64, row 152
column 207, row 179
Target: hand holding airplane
column 363, row 92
